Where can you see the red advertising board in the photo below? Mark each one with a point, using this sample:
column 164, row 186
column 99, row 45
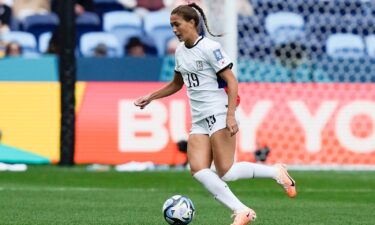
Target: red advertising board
column 308, row 124
column 110, row 129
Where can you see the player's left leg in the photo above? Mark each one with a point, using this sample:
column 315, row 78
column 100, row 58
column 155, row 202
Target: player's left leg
column 224, row 147
column 200, row 158
column 247, row 170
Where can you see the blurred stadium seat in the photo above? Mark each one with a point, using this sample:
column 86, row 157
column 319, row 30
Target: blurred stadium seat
column 309, row 23
column 38, row 24
column 306, row 7
column 256, row 46
column 284, row 26
column 25, row 39
column 253, row 39
column 333, row 40
column 370, row 45
column 158, row 29
column 15, row 24
column 43, row 41
column 123, row 25
column 104, row 6
column 87, row 22
column 345, row 45
column 250, row 23
column 323, row 25
column 90, row 40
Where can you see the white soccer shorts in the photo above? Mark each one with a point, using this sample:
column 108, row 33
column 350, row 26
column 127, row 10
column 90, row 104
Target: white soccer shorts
column 210, row 124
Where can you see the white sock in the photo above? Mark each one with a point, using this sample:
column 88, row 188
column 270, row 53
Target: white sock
column 219, row 189
column 247, row 170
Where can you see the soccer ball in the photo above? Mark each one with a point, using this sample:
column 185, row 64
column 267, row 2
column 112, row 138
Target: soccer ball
column 178, row 210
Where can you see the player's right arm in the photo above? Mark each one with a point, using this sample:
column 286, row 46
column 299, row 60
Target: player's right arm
column 169, row 89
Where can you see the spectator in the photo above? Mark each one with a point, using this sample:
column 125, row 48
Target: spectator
column 80, row 7
column 291, row 55
column 2, row 49
column 5, row 17
column 101, row 50
column 135, row 47
column 150, row 5
column 24, row 8
column 53, row 47
column 13, row 49
column 142, row 7
column 83, row 6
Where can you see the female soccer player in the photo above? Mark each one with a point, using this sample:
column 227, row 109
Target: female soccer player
column 202, row 65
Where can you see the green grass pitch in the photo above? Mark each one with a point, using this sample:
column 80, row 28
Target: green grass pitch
column 53, row 195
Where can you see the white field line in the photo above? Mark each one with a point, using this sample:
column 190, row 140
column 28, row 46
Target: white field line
column 93, row 189
column 357, row 190
column 78, row 189
column 331, row 167
column 316, row 190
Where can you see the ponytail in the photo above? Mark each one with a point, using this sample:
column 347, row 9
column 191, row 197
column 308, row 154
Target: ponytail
column 200, row 10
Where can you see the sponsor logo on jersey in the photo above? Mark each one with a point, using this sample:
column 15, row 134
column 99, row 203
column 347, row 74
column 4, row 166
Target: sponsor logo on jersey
column 199, row 65
column 218, row 55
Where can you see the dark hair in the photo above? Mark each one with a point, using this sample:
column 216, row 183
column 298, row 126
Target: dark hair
column 8, row 47
column 101, row 50
column 133, row 42
column 189, row 12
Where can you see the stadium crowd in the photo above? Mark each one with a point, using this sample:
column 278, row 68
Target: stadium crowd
column 28, row 26
column 266, row 28
column 116, row 27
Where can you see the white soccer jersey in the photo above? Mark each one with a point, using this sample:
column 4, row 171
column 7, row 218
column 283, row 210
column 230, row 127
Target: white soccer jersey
column 200, row 66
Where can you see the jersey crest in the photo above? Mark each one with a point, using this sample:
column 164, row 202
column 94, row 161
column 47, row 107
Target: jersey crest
column 199, row 65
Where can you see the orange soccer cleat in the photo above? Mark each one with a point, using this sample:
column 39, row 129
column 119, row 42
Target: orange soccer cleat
column 286, row 181
column 244, row 217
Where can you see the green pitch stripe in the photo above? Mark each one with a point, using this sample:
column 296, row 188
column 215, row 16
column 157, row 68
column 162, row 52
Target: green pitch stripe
column 10, row 154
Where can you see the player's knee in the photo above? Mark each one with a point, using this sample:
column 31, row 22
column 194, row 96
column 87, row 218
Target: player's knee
column 228, row 175
column 194, row 170
column 222, row 169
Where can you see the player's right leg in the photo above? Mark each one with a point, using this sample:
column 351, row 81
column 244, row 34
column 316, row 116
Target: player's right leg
column 223, row 145
column 200, row 159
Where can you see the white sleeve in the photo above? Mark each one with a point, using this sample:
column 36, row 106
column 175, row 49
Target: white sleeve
column 217, row 58
column 177, row 54
column 176, row 66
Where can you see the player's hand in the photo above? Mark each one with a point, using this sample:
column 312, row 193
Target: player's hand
column 232, row 125
column 142, row 101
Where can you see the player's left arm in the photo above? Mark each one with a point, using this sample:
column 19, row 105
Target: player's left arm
column 232, row 91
